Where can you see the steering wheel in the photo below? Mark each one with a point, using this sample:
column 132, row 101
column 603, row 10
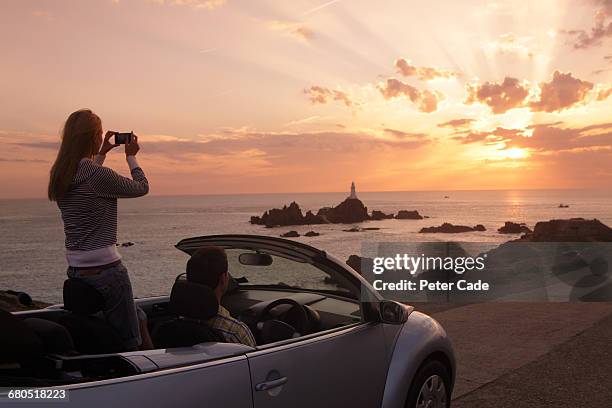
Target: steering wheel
column 274, row 330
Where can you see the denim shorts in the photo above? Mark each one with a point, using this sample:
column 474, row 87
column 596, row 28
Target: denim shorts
column 119, row 309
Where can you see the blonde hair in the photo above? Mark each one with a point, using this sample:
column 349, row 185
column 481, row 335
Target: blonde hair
column 81, row 137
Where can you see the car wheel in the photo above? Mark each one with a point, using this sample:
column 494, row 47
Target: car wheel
column 430, row 387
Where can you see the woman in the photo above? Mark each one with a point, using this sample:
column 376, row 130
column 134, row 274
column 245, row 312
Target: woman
column 86, row 194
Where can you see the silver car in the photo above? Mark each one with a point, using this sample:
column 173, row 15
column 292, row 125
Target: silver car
column 325, row 338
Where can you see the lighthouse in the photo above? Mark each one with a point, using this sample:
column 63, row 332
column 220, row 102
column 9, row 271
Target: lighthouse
column 353, row 193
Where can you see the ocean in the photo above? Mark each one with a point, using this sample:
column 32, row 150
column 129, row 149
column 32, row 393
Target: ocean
column 32, row 246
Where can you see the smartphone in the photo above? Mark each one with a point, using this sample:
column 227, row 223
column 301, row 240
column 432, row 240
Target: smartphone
column 123, row 137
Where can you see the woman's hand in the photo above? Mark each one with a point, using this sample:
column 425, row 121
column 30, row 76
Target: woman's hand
column 131, row 147
column 107, row 145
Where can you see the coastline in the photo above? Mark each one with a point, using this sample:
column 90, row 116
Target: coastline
column 11, row 303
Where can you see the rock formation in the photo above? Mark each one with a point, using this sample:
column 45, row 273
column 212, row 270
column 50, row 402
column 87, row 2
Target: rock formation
column 448, row 228
column 349, row 211
column 513, row 228
column 357, row 262
column 12, row 301
column 290, row 234
column 408, row 215
column 379, row 215
column 571, row 230
column 311, row 234
column 288, row 215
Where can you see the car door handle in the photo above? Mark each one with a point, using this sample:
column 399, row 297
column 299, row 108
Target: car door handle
column 268, row 385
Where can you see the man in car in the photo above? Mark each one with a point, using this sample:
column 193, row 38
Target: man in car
column 208, row 266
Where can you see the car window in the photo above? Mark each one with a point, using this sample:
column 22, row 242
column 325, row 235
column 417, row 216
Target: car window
column 281, row 271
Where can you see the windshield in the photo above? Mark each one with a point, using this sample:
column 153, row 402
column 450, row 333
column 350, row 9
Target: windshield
column 281, row 271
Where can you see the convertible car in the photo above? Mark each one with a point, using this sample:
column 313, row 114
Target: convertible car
column 325, row 338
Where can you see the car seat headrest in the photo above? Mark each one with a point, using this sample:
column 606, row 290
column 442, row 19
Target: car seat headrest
column 193, row 300
column 81, row 298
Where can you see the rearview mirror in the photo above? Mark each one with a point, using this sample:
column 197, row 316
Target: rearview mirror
column 255, row 259
column 393, row 312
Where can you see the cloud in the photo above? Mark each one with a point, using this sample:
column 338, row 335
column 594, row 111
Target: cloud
column 322, row 95
column 399, row 134
column 293, row 29
column 604, row 93
column 500, row 97
column 510, row 43
column 544, row 138
column 426, row 100
column 496, row 136
column 547, row 138
column 561, row 92
column 602, row 29
column 195, row 4
column 457, row 123
column 406, row 68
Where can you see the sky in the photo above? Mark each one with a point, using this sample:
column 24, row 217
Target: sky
column 256, row 96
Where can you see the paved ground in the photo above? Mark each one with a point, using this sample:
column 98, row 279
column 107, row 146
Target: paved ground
column 577, row 373
column 495, row 344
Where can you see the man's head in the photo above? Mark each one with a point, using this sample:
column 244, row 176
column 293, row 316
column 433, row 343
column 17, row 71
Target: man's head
column 208, row 266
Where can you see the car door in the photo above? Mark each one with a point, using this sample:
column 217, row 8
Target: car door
column 343, row 368
column 220, row 383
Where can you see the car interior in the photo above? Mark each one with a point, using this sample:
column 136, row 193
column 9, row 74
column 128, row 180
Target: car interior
column 280, row 297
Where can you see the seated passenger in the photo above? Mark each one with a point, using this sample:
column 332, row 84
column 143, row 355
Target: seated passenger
column 208, row 266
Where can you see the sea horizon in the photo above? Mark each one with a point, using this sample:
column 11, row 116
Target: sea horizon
column 153, row 194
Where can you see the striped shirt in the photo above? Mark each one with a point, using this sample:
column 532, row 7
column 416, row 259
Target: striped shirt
column 89, row 210
column 232, row 330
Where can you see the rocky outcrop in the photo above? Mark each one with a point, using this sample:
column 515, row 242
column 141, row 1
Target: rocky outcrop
column 448, row 228
column 349, row 211
column 288, row 215
column 353, row 229
column 408, row 215
column 290, row 234
column 358, row 263
column 12, row 301
column 311, row 234
column 379, row 215
column 571, row 230
column 513, row 228
column 358, row 229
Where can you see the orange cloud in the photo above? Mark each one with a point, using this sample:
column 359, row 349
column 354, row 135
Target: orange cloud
column 510, row 43
column 405, row 68
column 496, row 136
column 562, row 92
column 544, row 138
column 457, row 123
column 400, row 134
column 603, row 94
column 319, row 94
column 511, row 93
column 549, row 138
column 426, row 100
column 600, row 31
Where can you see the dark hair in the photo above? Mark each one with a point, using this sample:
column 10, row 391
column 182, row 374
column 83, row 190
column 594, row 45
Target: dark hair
column 206, row 266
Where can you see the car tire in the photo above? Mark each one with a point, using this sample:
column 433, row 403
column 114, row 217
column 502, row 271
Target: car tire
column 430, row 386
